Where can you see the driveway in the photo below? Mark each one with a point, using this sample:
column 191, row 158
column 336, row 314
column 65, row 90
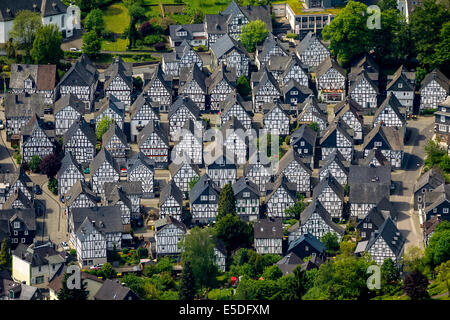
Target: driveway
column 402, row 199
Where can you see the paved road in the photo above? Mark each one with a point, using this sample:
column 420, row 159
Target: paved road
column 408, row 220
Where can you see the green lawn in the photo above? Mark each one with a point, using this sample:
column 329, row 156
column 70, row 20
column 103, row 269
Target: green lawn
column 120, row 45
column 116, row 18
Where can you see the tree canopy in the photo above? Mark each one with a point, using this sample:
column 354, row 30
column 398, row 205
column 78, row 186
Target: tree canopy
column 72, row 294
column 50, row 165
column 94, row 21
column 47, row 45
column 253, row 34
column 103, row 126
column 91, row 44
column 227, row 202
column 25, row 25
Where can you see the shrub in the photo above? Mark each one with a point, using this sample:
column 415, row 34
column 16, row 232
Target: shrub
column 108, row 35
column 160, row 46
column 73, row 252
column 53, row 185
column 291, row 36
column 153, row 39
column 35, row 163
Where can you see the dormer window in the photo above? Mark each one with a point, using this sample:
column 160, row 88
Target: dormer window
column 16, row 224
column 28, row 84
column 400, row 85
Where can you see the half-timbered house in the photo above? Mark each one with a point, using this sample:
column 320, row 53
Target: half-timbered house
column 388, row 114
column 265, row 89
column 182, row 174
column 35, row 141
column 375, row 158
column 141, row 168
column 370, row 223
column 111, row 108
column 142, row 112
column 81, row 140
column 429, row 181
column 351, row 114
column 158, row 89
column 276, row 120
column 168, row 234
column 334, row 166
column 330, row 80
column 193, row 33
column 69, row 173
column 189, row 145
column 235, row 106
column 181, row 110
column 204, row 200
column 79, row 196
column 219, row 85
column 293, row 168
column 364, row 91
column 271, row 46
column 119, row 80
column 231, row 54
column 389, row 141
column 216, row 26
column 311, row 51
column 132, row 189
column 442, row 118
column 153, row 142
column 115, row 141
column 68, row 109
column 222, row 170
column 171, row 201
column 234, row 140
column 368, row 186
column 18, row 226
column 193, row 85
column 14, row 181
column 280, row 196
column 17, row 200
column 119, row 198
column 294, row 94
column 81, row 80
column 287, row 67
column 434, row 89
column 401, row 84
column 183, row 56
column 364, row 63
column 258, row 169
column 336, row 136
column 247, row 197
column 220, row 255
column 330, row 193
column 268, row 235
column 103, row 168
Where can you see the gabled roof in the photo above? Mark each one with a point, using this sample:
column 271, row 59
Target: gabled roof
column 142, row 100
column 100, row 158
column 348, row 101
column 245, row 184
column 34, row 123
column 140, row 160
column 268, row 108
column 430, row 225
column 290, row 156
column 311, row 240
column 184, row 101
column 110, row 102
column 435, row 198
column 219, row 74
column 171, row 189
column 12, row 178
column 257, row 158
column 392, row 101
column 306, row 42
column 432, row 177
column 112, row 131
column 43, row 7
column 114, row 290
column 193, row 74
column 174, row 167
column 364, row 63
column 292, row 83
column 204, row 183
column 391, row 235
column 439, row 77
column 401, row 74
column 157, row 74
column 189, row 28
column 38, row 255
column 389, row 134
column 122, row 69
column 337, row 157
column 369, row 184
column 80, row 187
column 232, row 99
column 17, row 195
column 327, row 64
column 350, row 107
column 260, row 12
column 339, row 125
column 387, row 209
column 270, row 228
column 27, row 216
column 269, row 43
column 304, row 132
column 152, row 127
column 44, row 76
column 116, row 195
column 69, row 100
column 66, row 162
column 316, row 206
column 23, row 105
column 364, row 75
column 375, row 217
column 232, row 124
column 265, row 76
column 309, row 102
column 85, row 128
column 82, row 73
column 105, row 219
column 378, row 155
column 217, row 23
column 160, row 223
column 329, row 181
column 131, row 188
column 282, row 182
column 225, row 44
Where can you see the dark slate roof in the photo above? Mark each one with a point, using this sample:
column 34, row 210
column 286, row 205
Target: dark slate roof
column 157, row 74
column 365, row 75
column 151, row 127
column 289, row 262
column 171, row 189
column 377, row 154
column 27, row 216
column 282, row 182
column 327, row 64
column 403, row 74
column 332, row 183
column 43, row 7
column 257, row 158
column 80, row 187
column 348, row 101
column 245, row 184
column 389, row 134
column 225, row 44
column 21, row 291
column 233, row 98
column 112, row 131
column 311, row 240
column 100, row 158
column 435, row 198
column 107, row 219
column 306, row 42
column 214, row 79
column 350, row 107
column 38, row 255
column 66, row 162
column 129, row 187
column 189, row 28
column 140, row 160
column 335, row 156
column 232, row 124
column 69, row 100
column 269, row 43
column 390, row 234
column 34, row 123
column 369, row 184
column 290, row 156
column 193, row 74
column 17, row 195
column 261, row 12
column 439, row 77
column 310, row 102
column 114, row 290
column 339, row 125
column 292, row 83
column 82, row 73
column 430, row 225
column 202, row 184
column 304, row 132
column 44, row 76
column 116, row 195
column 432, row 177
column 265, row 76
column 316, row 206
column 142, row 100
column 364, row 64
column 85, row 128
column 387, row 209
column 110, row 102
column 270, row 228
column 122, row 69
column 23, row 105
column 392, row 101
column 217, row 23
column 186, row 102
column 375, row 216
column 160, row 223
column 11, row 178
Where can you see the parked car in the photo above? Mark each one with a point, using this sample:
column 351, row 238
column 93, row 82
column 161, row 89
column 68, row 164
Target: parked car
column 123, row 170
column 65, row 246
column 2, row 125
column 37, row 189
column 39, row 211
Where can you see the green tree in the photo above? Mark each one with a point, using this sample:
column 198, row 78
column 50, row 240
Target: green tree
column 253, row 34
column 198, row 248
column 24, row 28
column 53, row 186
column 272, row 273
column 137, row 14
column 72, row 294
column 4, row 255
column 108, row 271
column 234, row 232
column 34, row 163
column 187, row 283
column 331, row 242
column 94, row 21
column 387, row 5
column 434, row 153
column 295, row 210
column 348, row 33
column 416, row 285
column 227, row 202
column 193, row 182
column 103, row 126
column 438, row 249
column 91, row 44
column 243, row 86
column 413, row 259
column 315, row 126
column 164, row 265
column 442, row 55
column 390, row 276
column 47, row 45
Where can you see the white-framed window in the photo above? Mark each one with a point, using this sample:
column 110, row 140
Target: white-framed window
column 445, row 210
column 204, row 198
column 246, row 194
column 400, row 85
column 378, row 143
column 16, row 224
column 442, row 118
column 212, row 198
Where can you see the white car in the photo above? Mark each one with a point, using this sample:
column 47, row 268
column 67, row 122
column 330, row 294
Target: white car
column 2, row 125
